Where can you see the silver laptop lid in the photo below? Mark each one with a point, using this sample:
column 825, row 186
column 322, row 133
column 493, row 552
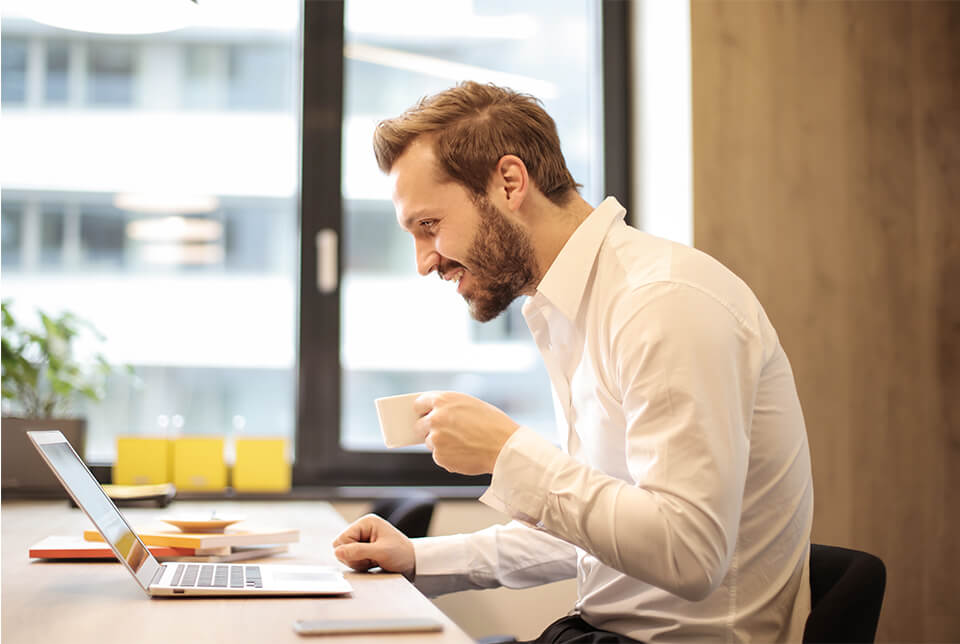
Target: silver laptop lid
column 86, row 491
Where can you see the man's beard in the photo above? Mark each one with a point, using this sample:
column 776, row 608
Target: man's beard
column 502, row 263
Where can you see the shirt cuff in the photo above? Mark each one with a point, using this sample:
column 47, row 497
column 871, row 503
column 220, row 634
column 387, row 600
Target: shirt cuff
column 518, row 486
column 440, row 564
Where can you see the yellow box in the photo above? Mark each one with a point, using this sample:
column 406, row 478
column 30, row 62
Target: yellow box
column 198, row 464
column 142, row 461
column 261, row 465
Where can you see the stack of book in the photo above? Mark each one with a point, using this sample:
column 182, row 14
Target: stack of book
column 234, row 544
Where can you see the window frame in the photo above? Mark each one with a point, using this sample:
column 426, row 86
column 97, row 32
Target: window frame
column 320, row 460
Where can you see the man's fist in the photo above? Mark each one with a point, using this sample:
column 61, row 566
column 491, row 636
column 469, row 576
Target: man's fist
column 465, row 434
column 370, row 541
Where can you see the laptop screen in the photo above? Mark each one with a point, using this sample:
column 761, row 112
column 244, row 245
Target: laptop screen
column 86, row 491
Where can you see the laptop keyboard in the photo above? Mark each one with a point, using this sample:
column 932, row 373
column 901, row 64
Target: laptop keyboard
column 216, row 576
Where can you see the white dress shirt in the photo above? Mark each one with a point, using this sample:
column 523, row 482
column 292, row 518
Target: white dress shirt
column 682, row 497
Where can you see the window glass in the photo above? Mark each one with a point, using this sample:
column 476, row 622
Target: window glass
column 110, row 73
column 56, row 80
column 51, row 235
column 13, row 75
column 173, row 230
column 102, row 237
column 11, row 219
column 402, row 332
column 205, row 75
column 259, row 77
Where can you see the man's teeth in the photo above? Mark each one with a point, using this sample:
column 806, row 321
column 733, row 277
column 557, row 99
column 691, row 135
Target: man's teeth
column 458, row 276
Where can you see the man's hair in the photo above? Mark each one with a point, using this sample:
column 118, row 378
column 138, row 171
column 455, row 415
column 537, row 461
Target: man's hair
column 473, row 126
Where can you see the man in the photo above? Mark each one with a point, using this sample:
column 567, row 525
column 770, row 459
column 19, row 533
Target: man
column 681, row 498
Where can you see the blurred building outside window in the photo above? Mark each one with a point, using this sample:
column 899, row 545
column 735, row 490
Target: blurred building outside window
column 150, row 185
column 151, row 188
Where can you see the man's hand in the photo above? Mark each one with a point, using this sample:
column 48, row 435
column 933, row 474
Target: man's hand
column 370, row 541
column 464, row 434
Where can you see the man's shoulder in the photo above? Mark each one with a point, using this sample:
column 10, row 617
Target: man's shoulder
column 636, row 268
column 638, row 261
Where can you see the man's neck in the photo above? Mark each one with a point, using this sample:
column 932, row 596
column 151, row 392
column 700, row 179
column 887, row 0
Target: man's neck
column 552, row 227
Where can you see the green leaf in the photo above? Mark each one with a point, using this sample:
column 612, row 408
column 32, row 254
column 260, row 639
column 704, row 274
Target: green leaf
column 91, row 393
column 31, row 374
column 8, row 321
column 40, row 372
column 61, row 387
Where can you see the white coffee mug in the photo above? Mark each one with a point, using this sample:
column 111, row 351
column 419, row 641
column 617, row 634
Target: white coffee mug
column 398, row 420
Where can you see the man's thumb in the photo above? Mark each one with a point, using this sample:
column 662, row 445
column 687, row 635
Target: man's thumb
column 356, row 555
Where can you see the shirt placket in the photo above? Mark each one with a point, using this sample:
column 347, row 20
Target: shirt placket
column 560, row 359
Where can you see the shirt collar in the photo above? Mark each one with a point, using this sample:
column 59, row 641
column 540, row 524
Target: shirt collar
column 566, row 279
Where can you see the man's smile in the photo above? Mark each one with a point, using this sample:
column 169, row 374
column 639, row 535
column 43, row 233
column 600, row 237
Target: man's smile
column 455, row 274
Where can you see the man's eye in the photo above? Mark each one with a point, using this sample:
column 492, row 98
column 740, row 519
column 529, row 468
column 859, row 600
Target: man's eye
column 428, row 224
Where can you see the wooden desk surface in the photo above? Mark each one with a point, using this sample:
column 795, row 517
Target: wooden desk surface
column 98, row 602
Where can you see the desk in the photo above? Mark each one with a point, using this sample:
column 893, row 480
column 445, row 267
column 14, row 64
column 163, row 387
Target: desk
column 99, row 602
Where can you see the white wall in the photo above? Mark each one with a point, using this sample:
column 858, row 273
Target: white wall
column 662, row 146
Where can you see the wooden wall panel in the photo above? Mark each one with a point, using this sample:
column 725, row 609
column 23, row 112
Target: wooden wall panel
column 826, row 142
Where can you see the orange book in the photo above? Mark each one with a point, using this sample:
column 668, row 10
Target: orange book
column 77, row 548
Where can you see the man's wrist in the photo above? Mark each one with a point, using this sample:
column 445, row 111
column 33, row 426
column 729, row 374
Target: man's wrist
column 503, row 443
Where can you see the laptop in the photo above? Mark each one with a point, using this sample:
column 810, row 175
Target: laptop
column 175, row 579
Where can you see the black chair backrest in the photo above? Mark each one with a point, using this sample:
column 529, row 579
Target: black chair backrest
column 846, row 594
column 410, row 514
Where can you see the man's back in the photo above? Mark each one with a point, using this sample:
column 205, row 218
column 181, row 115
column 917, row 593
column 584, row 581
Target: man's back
column 645, row 298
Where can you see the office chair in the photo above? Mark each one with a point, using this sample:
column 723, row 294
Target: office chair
column 846, row 594
column 409, row 514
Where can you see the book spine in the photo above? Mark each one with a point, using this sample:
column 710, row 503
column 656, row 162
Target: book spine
column 103, row 553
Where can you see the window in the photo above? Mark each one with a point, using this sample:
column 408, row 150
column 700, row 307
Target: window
column 173, row 230
column 102, row 237
column 57, row 79
column 13, row 82
column 390, row 62
column 259, row 77
column 51, row 236
column 391, row 59
column 11, row 218
column 110, row 73
column 205, row 75
column 191, row 221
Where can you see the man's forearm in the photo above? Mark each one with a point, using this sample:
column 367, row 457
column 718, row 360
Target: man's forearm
column 509, row 555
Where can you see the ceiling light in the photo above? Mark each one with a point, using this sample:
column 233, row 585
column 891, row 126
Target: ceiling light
column 165, row 204
column 113, row 16
column 182, row 254
column 174, row 229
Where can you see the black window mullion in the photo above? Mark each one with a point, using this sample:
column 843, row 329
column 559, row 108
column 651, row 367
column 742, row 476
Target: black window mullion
column 318, row 368
column 320, row 458
column 617, row 81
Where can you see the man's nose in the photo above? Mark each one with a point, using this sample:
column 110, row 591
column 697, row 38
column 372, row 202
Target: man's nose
column 427, row 258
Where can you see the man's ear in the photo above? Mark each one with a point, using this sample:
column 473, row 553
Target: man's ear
column 511, row 183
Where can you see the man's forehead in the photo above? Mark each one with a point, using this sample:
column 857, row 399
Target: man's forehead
column 415, row 165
